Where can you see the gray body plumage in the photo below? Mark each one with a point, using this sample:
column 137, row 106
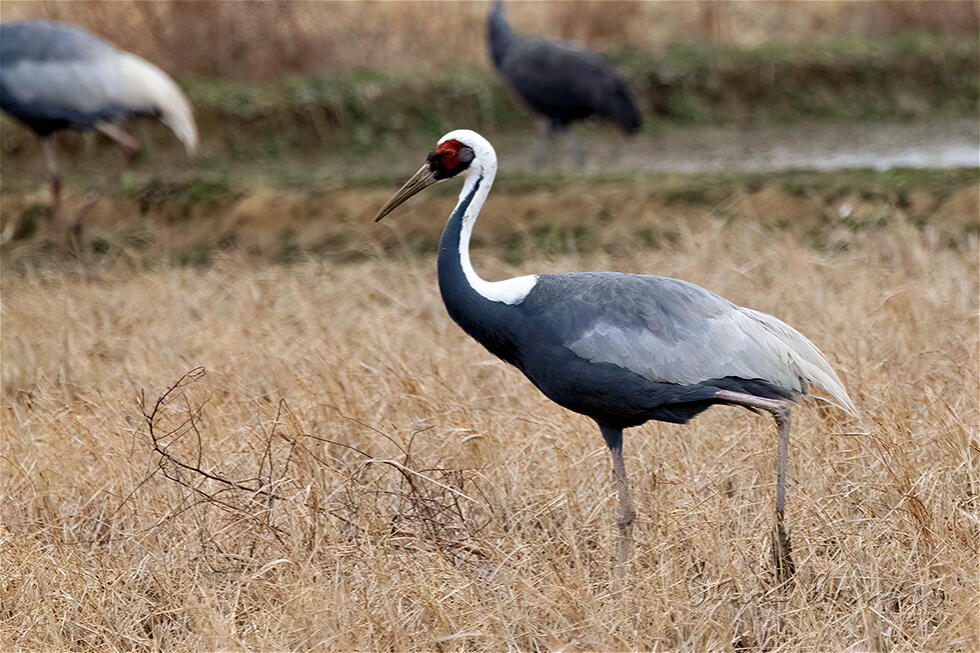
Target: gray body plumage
column 620, row 348
column 626, row 348
column 562, row 81
column 55, row 76
column 674, row 331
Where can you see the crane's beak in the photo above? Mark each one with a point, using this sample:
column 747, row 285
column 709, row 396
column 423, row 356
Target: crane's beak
column 421, row 179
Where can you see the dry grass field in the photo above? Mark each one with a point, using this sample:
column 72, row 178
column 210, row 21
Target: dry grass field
column 352, row 472
column 239, row 418
column 220, row 38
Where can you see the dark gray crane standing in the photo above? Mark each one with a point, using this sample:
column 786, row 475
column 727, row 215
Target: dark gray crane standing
column 620, row 348
column 562, row 81
column 56, row 76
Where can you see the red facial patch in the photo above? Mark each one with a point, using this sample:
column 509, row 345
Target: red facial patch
column 448, row 153
column 449, row 158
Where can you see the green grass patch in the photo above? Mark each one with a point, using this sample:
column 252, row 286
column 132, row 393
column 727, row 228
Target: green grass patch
column 909, row 76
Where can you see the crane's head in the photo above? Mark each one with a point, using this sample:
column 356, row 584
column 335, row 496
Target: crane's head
column 459, row 152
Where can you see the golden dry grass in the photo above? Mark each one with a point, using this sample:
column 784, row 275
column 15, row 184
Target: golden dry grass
column 392, row 486
column 249, row 39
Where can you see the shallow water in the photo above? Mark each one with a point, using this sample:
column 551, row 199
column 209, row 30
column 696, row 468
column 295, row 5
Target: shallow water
column 819, row 146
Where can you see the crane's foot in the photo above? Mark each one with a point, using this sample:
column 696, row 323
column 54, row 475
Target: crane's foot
column 627, row 514
column 782, row 558
column 65, row 238
column 625, row 525
column 75, row 225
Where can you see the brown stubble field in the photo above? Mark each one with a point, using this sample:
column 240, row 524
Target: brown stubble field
column 352, row 472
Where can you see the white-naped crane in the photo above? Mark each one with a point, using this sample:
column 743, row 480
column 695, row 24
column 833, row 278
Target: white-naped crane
column 563, row 81
column 57, row 76
column 620, row 348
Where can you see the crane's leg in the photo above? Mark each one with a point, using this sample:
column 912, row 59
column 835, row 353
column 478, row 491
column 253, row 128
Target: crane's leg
column 614, row 439
column 575, row 147
column 546, row 146
column 130, row 146
column 780, row 409
column 47, row 146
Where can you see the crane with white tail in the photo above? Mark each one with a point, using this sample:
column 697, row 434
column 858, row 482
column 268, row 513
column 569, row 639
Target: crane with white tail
column 56, row 76
column 620, row 348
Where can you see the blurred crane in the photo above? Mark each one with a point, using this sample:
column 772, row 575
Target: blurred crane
column 620, row 348
column 562, row 81
column 55, row 76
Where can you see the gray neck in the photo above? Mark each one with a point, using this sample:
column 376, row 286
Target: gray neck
column 484, row 319
column 499, row 34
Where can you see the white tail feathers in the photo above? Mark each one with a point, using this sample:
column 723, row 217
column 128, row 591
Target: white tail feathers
column 147, row 87
column 805, row 359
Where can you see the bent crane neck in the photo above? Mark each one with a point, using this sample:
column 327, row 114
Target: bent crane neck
column 456, row 274
column 484, row 309
column 499, row 35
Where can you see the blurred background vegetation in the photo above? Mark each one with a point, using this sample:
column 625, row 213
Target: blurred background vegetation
column 306, row 108
column 250, row 40
column 264, row 76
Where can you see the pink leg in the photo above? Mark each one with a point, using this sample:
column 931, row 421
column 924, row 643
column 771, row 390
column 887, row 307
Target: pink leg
column 627, row 514
column 130, row 147
column 781, row 548
column 47, row 146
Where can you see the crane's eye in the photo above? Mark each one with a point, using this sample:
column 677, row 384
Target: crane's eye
column 450, row 159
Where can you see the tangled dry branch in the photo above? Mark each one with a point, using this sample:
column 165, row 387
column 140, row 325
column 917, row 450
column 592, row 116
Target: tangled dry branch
column 293, row 474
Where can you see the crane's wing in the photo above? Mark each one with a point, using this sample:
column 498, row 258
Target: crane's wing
column 565, row 78
column 55, row 72
column 672, row 331
column 47, row 40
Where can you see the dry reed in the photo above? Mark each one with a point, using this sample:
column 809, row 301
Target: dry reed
column 353, row 473
column 262, row 40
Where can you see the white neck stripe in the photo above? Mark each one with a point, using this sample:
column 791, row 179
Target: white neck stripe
column 509, row 291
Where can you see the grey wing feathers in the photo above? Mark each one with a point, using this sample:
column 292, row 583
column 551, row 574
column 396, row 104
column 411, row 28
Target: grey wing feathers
column 562, row 80
column 566, row 82
column 600, row 87
column 801, row 355
column 74, row 91
column 539, row 68
column 44, row 40
column 53, row 72
column 672, row 331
